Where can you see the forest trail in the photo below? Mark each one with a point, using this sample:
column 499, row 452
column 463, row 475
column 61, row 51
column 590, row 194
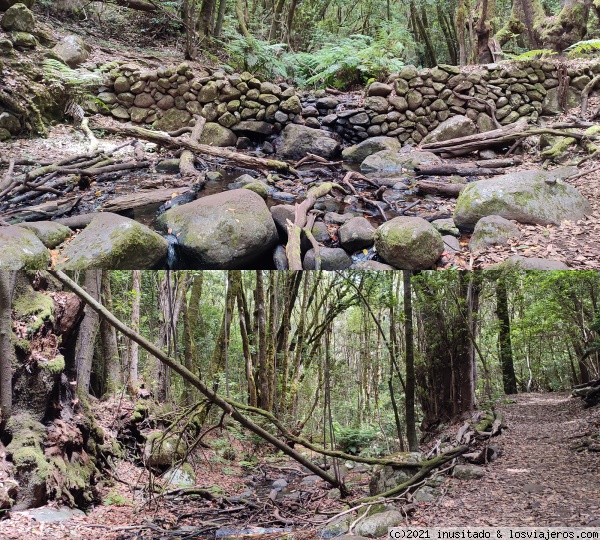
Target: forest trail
column 538, row 480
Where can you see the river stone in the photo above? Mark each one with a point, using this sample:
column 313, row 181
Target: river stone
column 258, row 187
column 72, row 50
column 451, row 244
column 492, row 230
column 49, row 232
column 377, row 103
column 379, row 89
column 291, row 105
column 409, row 243
column 378, row 524
column 331, row 259
column 254, row 128
column 23, row 40
column 10, row 122
column 18, row 18
column 446, row 226
column 227, row 230
column 371, row 266
column 457, row 126
column 22, row 250
column 336, row 528
column 114, row 242
column 296, row 141
column 360, row 151
column 468, row 472
column 281, row 213
column 534, row 197
column 551, row 105
column 393, row 161
column 173, row 120
column 356, row 234
column 530, row 263
column 217, row 135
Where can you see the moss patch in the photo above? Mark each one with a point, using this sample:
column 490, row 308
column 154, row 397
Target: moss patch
column 34, row 308
column 55, row 366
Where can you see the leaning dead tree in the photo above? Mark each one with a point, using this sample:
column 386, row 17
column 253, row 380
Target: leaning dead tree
column 233, row 408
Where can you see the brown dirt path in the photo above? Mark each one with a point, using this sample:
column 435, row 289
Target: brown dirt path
column 538, row 480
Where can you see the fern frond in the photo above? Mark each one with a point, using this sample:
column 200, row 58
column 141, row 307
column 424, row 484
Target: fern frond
column 528, row 55
column 584, row 47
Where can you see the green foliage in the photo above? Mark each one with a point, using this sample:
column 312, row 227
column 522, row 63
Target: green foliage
column 256, row 56
column 584, row 47
column 116, row 499
column 352, row 440
column 73, row 82
column 351, row 61
column 528, row 55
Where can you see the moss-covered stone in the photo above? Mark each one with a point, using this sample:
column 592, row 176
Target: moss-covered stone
column 162, row 450
column 34, row 308
column 22, row 250
column 50, row 233
column 55, row 366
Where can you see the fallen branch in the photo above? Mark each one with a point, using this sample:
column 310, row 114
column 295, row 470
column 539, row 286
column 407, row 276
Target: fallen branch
column 446, row 189
column 186, row 161
column 585, row 94
column 457, row 170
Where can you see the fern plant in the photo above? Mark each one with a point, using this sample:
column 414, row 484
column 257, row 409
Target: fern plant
column 528, row 55
column 584, row 47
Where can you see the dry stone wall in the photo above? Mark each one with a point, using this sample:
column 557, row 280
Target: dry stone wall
column 411, row 103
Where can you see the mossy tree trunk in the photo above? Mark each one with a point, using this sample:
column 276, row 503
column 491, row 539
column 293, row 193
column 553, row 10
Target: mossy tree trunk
column 6, row 347
column 133, row 350
column 86, row 338
column 113, row 374
column 509, row 378
column 411, row 432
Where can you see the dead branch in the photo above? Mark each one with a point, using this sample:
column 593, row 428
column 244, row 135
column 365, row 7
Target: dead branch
column 445, row 189
column 186, row 161
column 585, row 94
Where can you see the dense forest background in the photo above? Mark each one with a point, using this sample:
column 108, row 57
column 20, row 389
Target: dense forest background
column 346, row 43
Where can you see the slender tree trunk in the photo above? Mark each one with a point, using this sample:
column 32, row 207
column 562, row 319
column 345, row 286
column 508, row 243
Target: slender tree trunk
column 461, row 19
column 241, row 17
column 276, row 21
column 205, row 19
column 132, row 371
column 220, row 17
column 411, row 433
column 88, row 330
column 483, row 35
column 6, row 346
column 191, row 316
column 108, row 338
column 263, row 363
column 509, row 378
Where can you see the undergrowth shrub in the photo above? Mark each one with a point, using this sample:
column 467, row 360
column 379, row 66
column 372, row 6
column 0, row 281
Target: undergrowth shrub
column 353, row 440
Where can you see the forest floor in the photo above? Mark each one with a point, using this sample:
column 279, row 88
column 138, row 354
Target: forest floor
column 538, row 480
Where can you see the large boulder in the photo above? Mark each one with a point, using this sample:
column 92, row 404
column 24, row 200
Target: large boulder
column 360, row 151
column 253, row 128
column 409, row 243
column 378, row 524
column 72, row 50
column 551, row 105
column 457, row 126
column 536, row 197
column 357, row 233
column 492, row 230
column 173, row 120
column 530, row 263
column 114, row 242
column 227, row 230
column 50, row 233
column 331, row 259
column 217, row 135
column 296, row 141
column 393, row 161
column 21, row 250
column 18, row 18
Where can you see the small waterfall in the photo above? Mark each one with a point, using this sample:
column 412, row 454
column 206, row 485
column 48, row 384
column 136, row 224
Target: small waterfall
column 172, row 258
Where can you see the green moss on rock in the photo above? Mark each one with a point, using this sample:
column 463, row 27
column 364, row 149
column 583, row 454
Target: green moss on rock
column 34, row 308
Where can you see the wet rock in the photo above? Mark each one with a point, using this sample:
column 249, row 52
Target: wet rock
column 10, row 123
column 72, row 50
column 253, row 128
column 536, row 197
column 281, row 213
column 531, row 263
column 331, row 259
column 378, row 524
column 296, row 141
column 457, row 126
column 50, row 233
column 228, row 230
column 336, row 528
column 492, row 230
column 426, row 494
column 168, row 166
column 217, row 135
column 18, row 18
column 371, row 265
column 22, row 250
column 53, row 515
column 379, row 89
column 468, row 472
column 258, row 187
column 391, row 161
column 409, row 243
column 114, row 242
column 360, row 151
column 446, row 226
column 357, row 233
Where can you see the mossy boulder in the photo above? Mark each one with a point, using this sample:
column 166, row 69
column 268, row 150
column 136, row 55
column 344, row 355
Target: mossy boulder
column 114, row 242
column 33, row 309
column 358, row 152
column 535, row 197
column 377, row 525
column 385, row 477
column 331, row 259
column 393, row 161
column 457, row 126
column 50, row 233
column 217, row 135
column 173, row 120
column 224, row 231
column 21, row 250
column 162, row 450
column 18, row 18
column 72, row 50
column 493, row 230
column 296, row 141
column 409, row 243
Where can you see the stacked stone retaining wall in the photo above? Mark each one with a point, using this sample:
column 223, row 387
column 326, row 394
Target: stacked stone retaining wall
column 411, row 104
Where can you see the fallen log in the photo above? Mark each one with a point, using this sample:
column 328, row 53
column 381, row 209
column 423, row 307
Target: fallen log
column 186, row 161
column 445, row 189
column 143, row 198
column 162, row 138
column 498, row 163
column 44, row 211
column 457, row 170
column 589, row 392
column 585, row 94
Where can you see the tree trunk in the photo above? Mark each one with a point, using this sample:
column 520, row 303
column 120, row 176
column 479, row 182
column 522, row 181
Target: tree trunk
column 461, row 19
column 205, row 20
column 132, row 371
column 277, row 20
column 411, row 433
column 509, row 378
column 108, row 339
column 191, row 317
column 6, row 347
column 568, row 28
column 484, row 53
column 220, row 17
column 86, row 338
